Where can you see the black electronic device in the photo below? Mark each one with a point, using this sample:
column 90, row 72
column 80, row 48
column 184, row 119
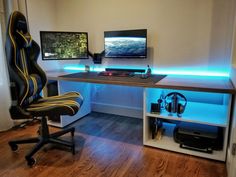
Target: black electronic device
column 173, row 103
column 97, row 58
column 126, row 43
column 155, row 124
column 64, row 45
column 198, row 137
column 126, row 70
column 116, row 73
column 155, row 108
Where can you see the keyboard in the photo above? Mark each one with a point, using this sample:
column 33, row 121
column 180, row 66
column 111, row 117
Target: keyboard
column 116, row 73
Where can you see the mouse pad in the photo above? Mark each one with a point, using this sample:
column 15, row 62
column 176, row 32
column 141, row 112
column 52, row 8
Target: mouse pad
column 95, row 77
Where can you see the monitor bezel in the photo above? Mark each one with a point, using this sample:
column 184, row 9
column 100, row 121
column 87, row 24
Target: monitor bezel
column 127, row 57
column 82, row 58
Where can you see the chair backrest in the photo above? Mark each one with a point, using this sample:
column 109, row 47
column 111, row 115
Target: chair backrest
column 26, row 77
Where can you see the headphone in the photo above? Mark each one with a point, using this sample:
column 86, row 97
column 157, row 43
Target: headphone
column 174, row 106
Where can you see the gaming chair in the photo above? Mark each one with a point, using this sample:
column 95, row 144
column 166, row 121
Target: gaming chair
column 27, row 80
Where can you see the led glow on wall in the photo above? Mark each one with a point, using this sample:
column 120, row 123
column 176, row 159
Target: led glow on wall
column 172, row 71
column 191, row 72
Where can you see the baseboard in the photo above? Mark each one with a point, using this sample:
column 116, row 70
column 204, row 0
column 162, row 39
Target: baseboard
column 117, row 109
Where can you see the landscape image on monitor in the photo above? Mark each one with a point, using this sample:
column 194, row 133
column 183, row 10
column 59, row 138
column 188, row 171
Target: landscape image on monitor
column 64, row 45
column 125, row 46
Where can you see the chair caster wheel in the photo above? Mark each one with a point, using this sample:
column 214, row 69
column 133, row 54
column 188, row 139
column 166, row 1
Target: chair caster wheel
column 31, row 161
column 13, row 146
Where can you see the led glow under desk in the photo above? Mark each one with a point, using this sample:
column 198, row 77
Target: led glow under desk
column 209, row 103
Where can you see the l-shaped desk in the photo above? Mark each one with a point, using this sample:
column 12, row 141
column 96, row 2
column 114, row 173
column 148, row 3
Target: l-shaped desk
column 198, row 111
column 194, row 83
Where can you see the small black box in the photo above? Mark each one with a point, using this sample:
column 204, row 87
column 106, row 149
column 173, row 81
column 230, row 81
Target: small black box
column 155, row 108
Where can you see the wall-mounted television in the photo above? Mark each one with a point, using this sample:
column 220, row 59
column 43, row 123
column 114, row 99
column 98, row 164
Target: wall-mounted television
column 126, row 43
column 64, row 45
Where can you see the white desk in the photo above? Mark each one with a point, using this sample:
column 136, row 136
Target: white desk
column 201, row 111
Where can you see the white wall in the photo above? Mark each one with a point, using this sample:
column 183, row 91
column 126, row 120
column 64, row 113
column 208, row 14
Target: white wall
column 42, row 17
column 231, row 160
column 192, row 34
column 221, row 33
column 5, row 117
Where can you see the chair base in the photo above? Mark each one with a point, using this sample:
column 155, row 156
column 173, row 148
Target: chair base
column 44, row 138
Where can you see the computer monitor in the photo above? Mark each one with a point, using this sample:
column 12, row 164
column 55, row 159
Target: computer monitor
column 64, row 45
column 126, row 44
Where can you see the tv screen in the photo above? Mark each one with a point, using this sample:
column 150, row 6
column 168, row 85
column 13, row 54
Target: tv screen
column 126, row 44
column 64, row 45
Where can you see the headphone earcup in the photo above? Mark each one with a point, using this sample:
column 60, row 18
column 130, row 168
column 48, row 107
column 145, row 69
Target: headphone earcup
column 180, row 108
column 168, row 107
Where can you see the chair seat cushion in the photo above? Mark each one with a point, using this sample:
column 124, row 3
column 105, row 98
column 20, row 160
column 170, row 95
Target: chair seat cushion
column 66, row 104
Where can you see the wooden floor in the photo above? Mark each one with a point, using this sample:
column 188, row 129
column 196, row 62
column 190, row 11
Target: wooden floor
column 106, row 146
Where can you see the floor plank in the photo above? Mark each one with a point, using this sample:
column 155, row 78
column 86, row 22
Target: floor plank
column 106, row 146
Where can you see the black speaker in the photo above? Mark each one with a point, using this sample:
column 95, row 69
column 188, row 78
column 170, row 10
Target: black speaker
column 173, row 104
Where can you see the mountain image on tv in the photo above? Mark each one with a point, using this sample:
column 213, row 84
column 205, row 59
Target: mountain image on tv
column 64, row 45
column 125, row 47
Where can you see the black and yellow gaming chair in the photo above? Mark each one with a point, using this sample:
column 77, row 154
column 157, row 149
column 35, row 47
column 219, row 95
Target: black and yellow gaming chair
column 27, row 80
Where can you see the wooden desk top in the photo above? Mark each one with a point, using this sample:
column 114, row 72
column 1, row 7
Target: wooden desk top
column 198, row 83
column 194, row 83
column 93, row 77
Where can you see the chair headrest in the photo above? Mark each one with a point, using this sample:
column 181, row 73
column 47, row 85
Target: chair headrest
column 18, row 29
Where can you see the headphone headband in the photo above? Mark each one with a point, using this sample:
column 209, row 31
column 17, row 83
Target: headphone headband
column 179, row 94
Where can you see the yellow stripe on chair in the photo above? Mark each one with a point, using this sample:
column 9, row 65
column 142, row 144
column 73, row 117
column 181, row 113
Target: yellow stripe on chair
column 22, row 61
column 44, row 105
column 49, row 106
column 26, row 68
column 35, row 84
column 64, row 102
column 66, row 95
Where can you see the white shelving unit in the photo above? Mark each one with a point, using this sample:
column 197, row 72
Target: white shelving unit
column 211, row 111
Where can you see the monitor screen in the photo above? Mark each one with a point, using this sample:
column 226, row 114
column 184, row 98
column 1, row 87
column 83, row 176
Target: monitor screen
column 64, row 45
column 126, row 44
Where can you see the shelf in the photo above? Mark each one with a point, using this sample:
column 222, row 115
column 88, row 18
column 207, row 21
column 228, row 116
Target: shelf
column 197, row 83
column 167, row 142
column 203, row 113
column 212, row 109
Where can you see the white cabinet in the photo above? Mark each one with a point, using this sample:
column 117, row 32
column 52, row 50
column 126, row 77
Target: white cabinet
column 211, row 109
